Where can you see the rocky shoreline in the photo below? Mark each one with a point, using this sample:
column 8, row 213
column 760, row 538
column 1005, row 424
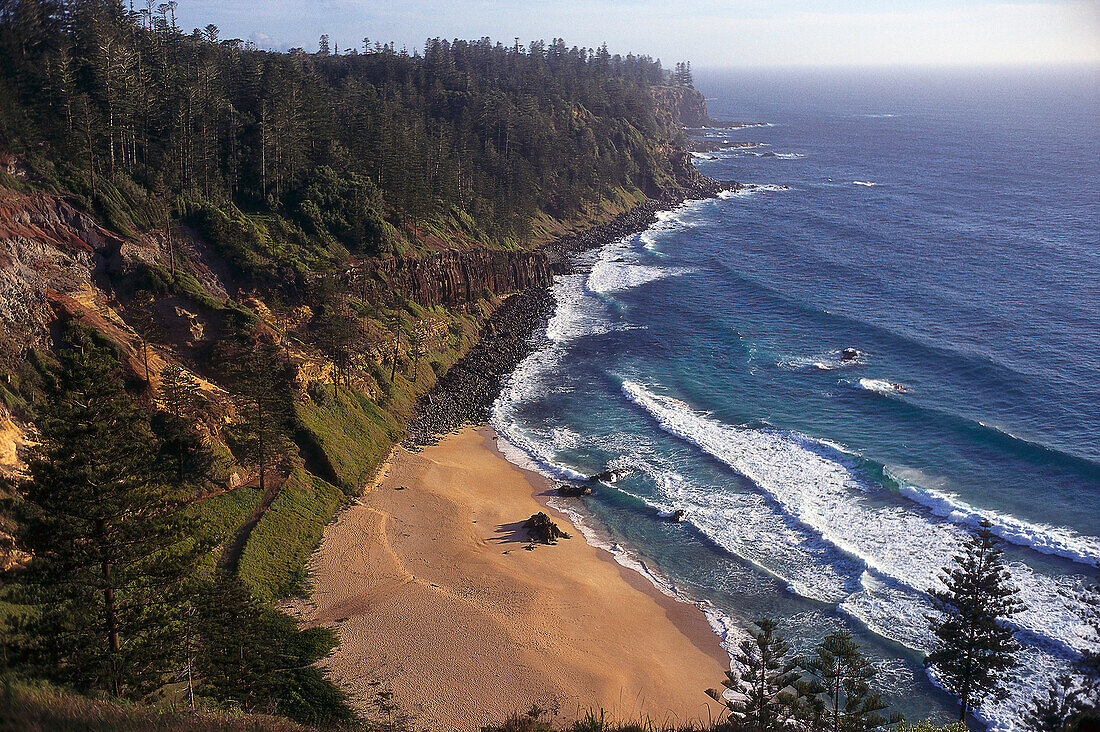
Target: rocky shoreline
column 469, row 388
column 562, row 251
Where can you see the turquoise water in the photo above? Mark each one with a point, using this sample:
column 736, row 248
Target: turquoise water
column 947, row 226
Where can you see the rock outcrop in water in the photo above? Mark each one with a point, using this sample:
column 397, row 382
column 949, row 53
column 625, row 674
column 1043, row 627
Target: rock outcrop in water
column 574, row 491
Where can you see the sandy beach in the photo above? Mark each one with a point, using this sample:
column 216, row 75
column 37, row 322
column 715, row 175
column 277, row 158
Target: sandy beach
column 438, row 600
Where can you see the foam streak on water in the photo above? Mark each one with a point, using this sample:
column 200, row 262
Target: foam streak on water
column 901, row 547
column 829, row 492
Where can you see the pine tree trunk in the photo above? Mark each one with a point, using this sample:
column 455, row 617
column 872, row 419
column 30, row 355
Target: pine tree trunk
column 190, row 684
column 91, row 154
column 260, row 452
column 171, row 249
column 110, row 616
column 836, row 707
column 263, row 150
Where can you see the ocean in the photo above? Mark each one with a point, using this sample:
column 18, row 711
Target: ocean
column 946, row 224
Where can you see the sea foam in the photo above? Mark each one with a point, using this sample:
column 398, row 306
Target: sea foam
column 825, row 490
column 610, row 277
column 1058, row 541
column 900, row 548
column 751, row 189
column 882, row 386
column 828, row 361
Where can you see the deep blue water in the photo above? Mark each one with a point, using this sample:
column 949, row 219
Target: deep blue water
column 946, row 225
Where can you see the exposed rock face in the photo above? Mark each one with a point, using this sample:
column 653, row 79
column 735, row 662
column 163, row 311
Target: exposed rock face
column 686, row 106
column 54, row 264
column 454, row 277
column 47, row 248
column 467, row 391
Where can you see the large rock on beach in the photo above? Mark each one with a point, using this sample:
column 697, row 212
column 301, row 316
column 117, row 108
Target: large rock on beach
column 543, row 530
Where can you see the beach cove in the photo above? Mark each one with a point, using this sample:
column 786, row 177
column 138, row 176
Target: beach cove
column 438, row 599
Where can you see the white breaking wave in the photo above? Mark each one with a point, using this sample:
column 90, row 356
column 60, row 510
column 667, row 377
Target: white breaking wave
column 822, row 487
column 615, row 277
column 1060, row 541
column 752, row 188
column 668, row 221
column 901, row 548
column 863, row 183
column 574, row 317
column 534, row 456
column 882, row 386
column 745, row 525
column 769, row 154
column 829, row 361
column 834, row 536
column 619, row 270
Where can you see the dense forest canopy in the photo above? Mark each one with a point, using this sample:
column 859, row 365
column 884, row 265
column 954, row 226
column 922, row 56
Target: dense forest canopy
column 243, row 253
column 342, row 144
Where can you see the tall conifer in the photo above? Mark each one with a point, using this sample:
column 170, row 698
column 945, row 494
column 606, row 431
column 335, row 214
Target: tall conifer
column 975, row 645
column 261, row 387
column 840, row 673
column 111, row 546
column 182, row 402
column 766, row 695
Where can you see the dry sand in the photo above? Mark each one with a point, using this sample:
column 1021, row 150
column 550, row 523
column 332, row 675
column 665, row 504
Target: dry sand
column 437, row 600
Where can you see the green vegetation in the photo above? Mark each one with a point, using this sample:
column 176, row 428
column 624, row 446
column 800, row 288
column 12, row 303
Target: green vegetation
column 268, row 195
column 273, row 563
column 766, row 693
column 254, row 655
column 1071, row 703
column 112, row 545
column 115, row 600
column 261, row 384
column 350, row 433
column 975, row 644
column 26, row 706
column 839, row 686
column 222, row 515
column 373, row 152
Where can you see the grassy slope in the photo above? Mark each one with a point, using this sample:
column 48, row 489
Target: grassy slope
column 42, row 708
column 352, row 433
column 274, row 558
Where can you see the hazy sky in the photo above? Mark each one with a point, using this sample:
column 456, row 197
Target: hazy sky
column 711, row 33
